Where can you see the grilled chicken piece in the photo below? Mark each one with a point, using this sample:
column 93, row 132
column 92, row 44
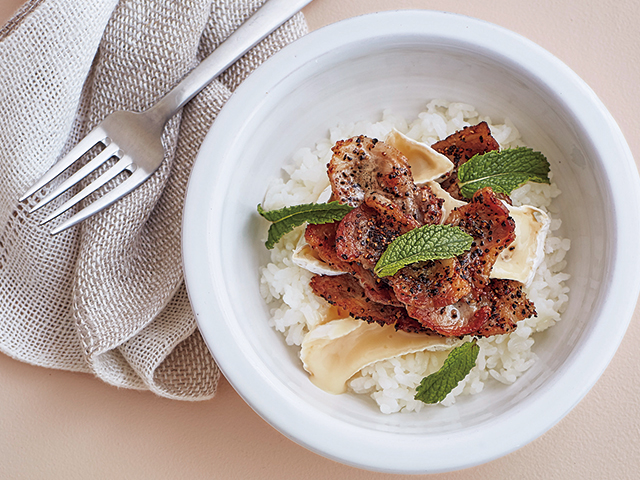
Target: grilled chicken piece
column 487, row 220
column 411, row 325
column 365, row 170
column 460, row 147
column 431, row 285
column 375, row 288
column 431, row 207
column 322, row 238
column 363, row 235
column 464, row 144
column 434, row 284
column 458, row 319
column 452, row 297
column 345, row 292
column 494, row 311
column 508, row 305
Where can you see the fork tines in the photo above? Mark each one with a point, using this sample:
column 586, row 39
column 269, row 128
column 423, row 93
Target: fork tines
column 124, row 162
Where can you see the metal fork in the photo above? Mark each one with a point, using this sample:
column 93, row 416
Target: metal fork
column 134, row 138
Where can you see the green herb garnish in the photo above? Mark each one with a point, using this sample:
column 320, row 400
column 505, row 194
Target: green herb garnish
column 286, row 219
column 503, row 171
column 429, row 242
column 435, row 387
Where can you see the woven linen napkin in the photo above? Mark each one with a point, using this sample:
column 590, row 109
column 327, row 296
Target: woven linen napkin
column 108, row 296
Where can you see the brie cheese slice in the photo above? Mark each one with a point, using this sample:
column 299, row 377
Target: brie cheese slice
column 305, row 257
column 335, row 351
column 520, row 260
column 426, row 164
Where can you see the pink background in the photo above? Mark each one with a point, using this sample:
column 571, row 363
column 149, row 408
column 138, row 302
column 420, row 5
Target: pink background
column 57, row 424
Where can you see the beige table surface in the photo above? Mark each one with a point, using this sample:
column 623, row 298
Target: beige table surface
column 60, row 425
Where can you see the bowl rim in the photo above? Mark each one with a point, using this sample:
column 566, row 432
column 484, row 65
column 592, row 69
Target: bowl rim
column 206, row 289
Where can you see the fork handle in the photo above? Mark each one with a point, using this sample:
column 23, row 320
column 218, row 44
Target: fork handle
column 264, row 21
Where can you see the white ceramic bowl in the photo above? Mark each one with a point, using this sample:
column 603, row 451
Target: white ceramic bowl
column 351, row 71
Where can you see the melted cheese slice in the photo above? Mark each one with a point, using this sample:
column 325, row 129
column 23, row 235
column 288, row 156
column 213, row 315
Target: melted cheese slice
column 426, row 164
column 335, row 351
column 523, row 257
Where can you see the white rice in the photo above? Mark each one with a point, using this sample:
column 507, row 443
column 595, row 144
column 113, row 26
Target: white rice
column 392, row 383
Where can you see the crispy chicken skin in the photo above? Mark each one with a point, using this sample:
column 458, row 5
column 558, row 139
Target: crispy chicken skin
column 487, row 220
column 345, row 291
column 467, row 142
column 493, row 310
column 431, row 285
column 505, row 303
column 322, row 238
column 460, row 147
column 431, row 207
column 364, row 233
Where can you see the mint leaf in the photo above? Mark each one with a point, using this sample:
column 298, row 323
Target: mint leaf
column 503, row 171
column 286, row 219
column 435, row 387
column 429, row 242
